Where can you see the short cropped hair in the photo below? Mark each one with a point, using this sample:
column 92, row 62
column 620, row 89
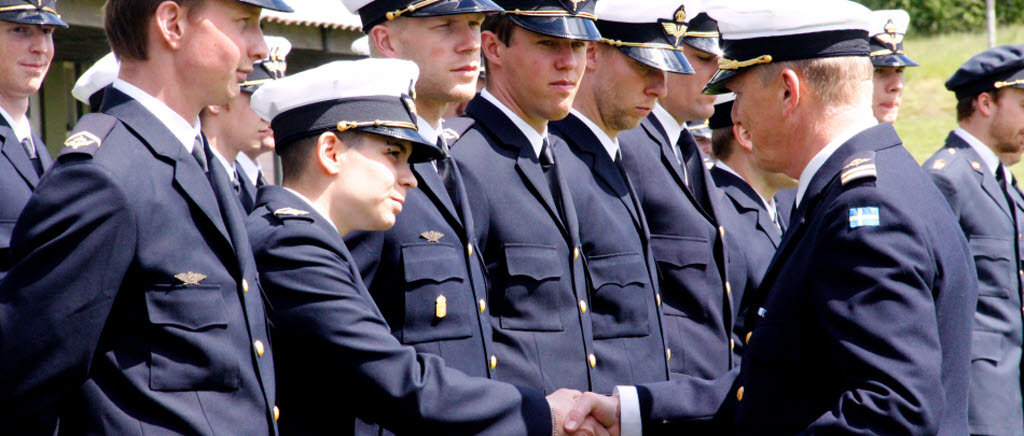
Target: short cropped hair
column 297, row 155
column 501, row 26
column 965, row 107
column 837, row 80
column 722, row 142
column 127, row 22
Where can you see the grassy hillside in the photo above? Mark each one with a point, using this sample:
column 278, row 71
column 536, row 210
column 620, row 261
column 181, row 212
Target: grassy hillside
column 929, row 110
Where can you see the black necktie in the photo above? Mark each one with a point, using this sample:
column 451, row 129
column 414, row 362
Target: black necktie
column 445, row 169
column 30, row 149
column 199, row 153
column 1011, row 205
column 547, row 165
column 260, row 179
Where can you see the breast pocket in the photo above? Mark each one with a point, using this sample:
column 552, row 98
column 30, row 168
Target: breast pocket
column 190, row 348
column 439, row 301
column 683, row 260
column 532, row 294
column 993, row 258
column 620, row 296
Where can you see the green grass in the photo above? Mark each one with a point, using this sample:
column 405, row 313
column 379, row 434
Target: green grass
column 928, row 112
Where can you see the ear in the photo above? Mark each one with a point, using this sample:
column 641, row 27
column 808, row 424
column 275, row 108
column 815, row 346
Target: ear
column 492, row 48
column 742, row 136
column 328, row 152
column 380, row 37
column 592, row 49
column 170, row 22
column 789, row 91
column 985, row 104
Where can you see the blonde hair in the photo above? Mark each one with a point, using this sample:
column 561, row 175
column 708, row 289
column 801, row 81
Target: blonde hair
column 839, row 82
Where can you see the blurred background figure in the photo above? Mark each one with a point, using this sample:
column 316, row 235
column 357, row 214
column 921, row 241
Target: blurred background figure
column 887, row 30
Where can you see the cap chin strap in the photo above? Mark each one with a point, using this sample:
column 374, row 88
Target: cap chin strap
column 411, row 8
column 551, row 13
column 730, row 64
column 1005, row 84
column 29, row 8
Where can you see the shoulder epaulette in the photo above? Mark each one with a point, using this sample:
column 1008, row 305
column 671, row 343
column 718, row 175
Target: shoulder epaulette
column 860, row 166
column 89, row 134
column 454, row 128
column 291, row 212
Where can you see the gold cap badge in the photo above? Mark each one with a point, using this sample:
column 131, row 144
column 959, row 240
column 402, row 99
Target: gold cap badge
column 675, row 29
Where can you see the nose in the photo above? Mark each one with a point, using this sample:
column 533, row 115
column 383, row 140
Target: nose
column 896, row 84
column 42, row 40
column 656, row 84
column 469, row 39
column 258, row 48
column 568, row 58
column 406, row 177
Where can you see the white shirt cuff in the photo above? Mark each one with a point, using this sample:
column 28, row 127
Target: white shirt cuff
column 629, row 411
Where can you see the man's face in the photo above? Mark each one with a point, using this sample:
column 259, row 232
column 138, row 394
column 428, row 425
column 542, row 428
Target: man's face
column 888, row 93
column 540, row 73
column 753, row 109
column 447, row 51
column 686, row 99
column 220, row 45
column 246, row 130
column 373, row 182
column 1007, row 128
column 625, row 89
column 25, row 54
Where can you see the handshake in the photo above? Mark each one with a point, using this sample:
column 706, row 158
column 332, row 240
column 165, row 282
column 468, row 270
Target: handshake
column 578, row 413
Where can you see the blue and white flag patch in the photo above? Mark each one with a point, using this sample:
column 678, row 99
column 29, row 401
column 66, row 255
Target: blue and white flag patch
column 864, row 217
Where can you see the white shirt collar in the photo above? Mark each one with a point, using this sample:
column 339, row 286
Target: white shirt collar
column 250, row 168
column 819, row 159
column 183, row 130
column 988, row 157
column 224, row 162
column 668, row 122
column 425, row 130
column 313, row 206
column 22, row 130
column 610, row 145
column 536, row 138
column 769, row 204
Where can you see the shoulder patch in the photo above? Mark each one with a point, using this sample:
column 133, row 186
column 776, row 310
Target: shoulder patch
column 939, row 164
column 859, row 166
column 455, row 128
column 285, row 212
column 89, row 134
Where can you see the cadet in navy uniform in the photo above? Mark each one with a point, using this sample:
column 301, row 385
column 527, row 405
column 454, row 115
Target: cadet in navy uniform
column 26, row 49
column 427, row 260
column 526, row 227
column 981, row 191
column 133, row 305
column 625, row 77
column 865, row 315
column 755, row 225
column 345, row 143
column 887, row 55
column 684, row 209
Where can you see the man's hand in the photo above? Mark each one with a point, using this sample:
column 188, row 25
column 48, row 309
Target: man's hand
column 594, row 410
column 562, row 401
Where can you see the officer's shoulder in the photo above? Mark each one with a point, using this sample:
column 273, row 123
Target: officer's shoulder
column 87, row 137
column 858, row 169
column 287, row 215
column 453, row 129
column 950, row 163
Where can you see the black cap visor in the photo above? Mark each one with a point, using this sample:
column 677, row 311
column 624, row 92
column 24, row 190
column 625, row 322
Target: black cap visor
column 672, row 61
column 35, row 17
column 422, row 150
column 717, row 84
column 274, row 5
column 707, row 45
column 893, row 60
column 565, row 27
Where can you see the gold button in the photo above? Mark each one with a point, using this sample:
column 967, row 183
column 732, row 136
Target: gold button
column 277, row 413
column 732, row 344
column 245, row 286
column 739, row 394
column 483, row 305
column 575, row 253
column 658, row 298
column 750, row 333
column 1021, row 272
column 593, row 360
column 728, row 288
column 583, row 306
column 259, row 347
column 494, row 361
column 668, row 354
column 469, row 249
column 1019, row 236
column 721, row 231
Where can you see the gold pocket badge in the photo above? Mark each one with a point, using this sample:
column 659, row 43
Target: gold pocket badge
column 432, row 236
column 190, row 278
column 441, row 306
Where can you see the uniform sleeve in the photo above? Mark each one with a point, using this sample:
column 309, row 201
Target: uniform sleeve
column 366, row 249
column 72, row 245
column 338, row 334
column 877, row 312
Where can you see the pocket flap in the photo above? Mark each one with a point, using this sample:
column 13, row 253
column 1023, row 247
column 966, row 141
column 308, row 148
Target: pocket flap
column 535, row 261
column 987, row 346
column 991, row 248
column 190, row 307
column 621, row 269
column 680, row 251
column 431, row 261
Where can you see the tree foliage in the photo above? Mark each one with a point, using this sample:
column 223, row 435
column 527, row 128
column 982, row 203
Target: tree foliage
column 944, row 16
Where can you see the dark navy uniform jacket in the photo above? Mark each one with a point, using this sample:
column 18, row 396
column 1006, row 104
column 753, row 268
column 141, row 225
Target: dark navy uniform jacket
column 985, row 216
column 628, row 338
column 247, row 191
column 425, row 261
column 687, row 240
column 17, row 180
column 754, row 239
column 337, row 358
column 133, row 306
column 864, row 325
column 538, row 300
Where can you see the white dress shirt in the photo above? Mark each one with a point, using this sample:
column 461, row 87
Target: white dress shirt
column 181, row 129
column 536, row 138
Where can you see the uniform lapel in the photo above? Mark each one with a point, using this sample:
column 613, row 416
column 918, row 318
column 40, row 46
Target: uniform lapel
column 42, row 152
column 433, row 187
column 982, row 175
column 747, row 199
column 15, row 152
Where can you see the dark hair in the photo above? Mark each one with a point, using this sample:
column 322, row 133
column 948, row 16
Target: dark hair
column 501, row 26
column 127, row 23
column 721, row 142
column 297, row 155
column 965, row 107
